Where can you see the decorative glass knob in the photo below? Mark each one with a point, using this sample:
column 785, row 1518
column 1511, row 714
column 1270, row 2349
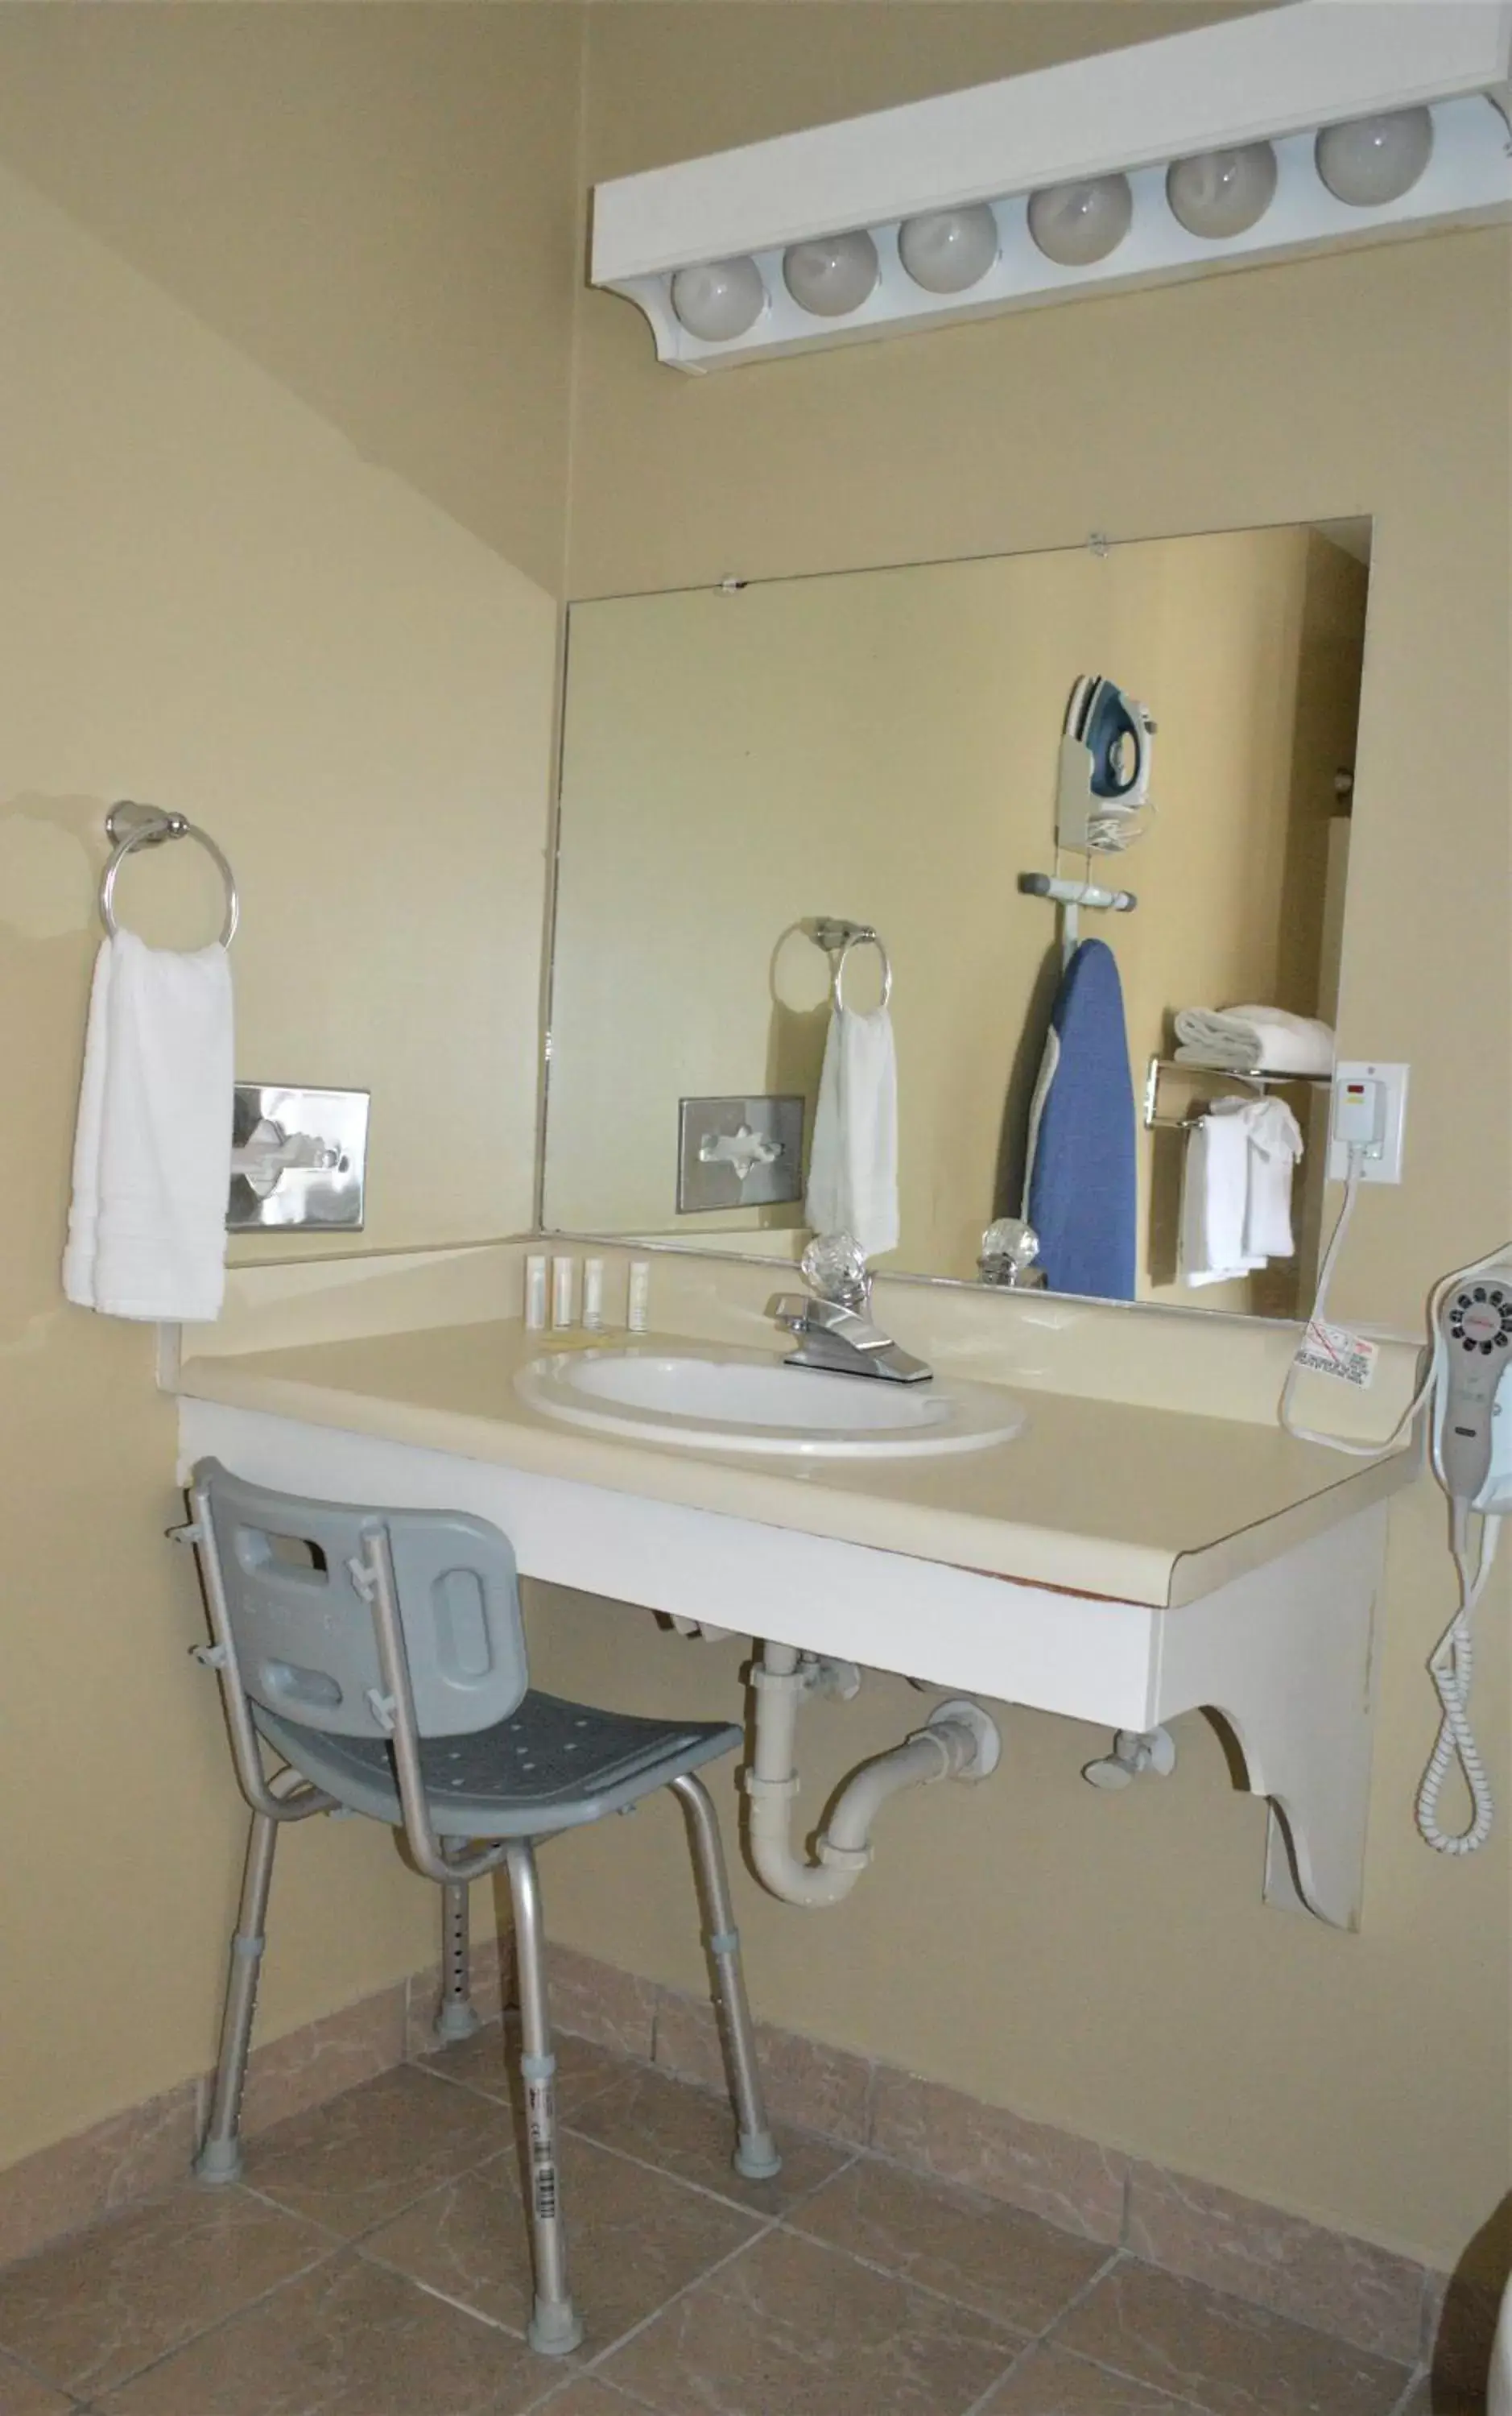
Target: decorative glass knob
column 1009, row 1247
column 834, row 1267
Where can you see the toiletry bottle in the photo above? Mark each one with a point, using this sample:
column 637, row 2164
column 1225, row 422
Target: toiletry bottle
column 593, row 1296
column 637, row 1308
column 535, row 1293
column 563, row 1293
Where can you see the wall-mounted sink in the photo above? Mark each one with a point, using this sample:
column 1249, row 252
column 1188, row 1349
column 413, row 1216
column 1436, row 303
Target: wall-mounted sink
column 706, row 1399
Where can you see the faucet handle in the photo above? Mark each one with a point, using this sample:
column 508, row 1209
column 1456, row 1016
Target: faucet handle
column 834, row 1267
column 789, row 1308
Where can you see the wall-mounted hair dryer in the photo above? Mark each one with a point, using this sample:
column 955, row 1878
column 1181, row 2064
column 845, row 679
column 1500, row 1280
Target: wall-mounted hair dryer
column 1473, row 1391
column 1469, row 1385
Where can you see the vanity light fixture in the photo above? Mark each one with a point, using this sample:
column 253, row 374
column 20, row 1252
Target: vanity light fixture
column 1301, row 127
column 1222, row 194
column 1076, row 225
column 832, row 275
column 948, row 251
column 719, row 300
column 1369, row 160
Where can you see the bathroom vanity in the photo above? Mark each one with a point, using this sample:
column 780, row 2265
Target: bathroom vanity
column 1118, row 1559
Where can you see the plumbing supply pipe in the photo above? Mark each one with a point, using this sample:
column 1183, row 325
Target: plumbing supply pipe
column 959, row 1742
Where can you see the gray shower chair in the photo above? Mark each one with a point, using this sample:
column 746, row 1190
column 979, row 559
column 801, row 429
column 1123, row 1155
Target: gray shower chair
column 380, row 1654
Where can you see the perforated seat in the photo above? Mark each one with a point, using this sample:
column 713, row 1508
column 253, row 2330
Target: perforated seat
column 380, row 1654
column 550, row 1765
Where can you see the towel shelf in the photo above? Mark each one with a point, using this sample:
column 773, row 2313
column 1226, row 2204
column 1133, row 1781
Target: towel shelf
column 1156, row 1121
column 129, row 826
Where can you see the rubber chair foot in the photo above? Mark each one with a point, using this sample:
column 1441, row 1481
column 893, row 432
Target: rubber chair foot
column 757, row 2157
column 218, row 2163
column 555, row 2330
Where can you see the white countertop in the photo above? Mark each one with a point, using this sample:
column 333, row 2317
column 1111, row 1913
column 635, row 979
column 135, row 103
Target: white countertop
column 1097, row 1496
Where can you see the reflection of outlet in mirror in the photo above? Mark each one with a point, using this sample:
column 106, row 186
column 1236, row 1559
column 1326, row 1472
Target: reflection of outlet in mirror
column 1368, row 1114
column 738, row 1154
column 298, row 1160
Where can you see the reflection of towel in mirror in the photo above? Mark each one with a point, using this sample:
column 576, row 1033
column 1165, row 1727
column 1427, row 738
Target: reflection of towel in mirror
column 1254, row 1040
column 1236, row 1189
column 853, row 1161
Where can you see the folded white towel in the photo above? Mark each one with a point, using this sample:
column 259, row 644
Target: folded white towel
column 1215, row 1192
column 1275, row 1147
column 1236, row 1190
column 152, row 1148
column 853, row 1162
column 1254, row 1040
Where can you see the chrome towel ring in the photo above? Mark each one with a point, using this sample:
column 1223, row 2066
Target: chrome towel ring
column 837, row 939
column 129, row 826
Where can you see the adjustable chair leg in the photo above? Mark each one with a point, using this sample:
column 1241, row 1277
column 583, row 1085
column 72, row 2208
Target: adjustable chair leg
column 220, row 2154
column 456, row 2016
column 755, row 2153
column 555, row 2327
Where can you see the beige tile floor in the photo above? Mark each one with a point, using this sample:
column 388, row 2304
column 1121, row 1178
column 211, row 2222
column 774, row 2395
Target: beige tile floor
column 374, row 2263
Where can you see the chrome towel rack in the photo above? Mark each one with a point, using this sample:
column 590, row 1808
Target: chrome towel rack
column 129, row 826
column 837, row 938
column 1254, row 1085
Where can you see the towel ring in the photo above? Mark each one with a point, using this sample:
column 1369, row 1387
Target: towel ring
column 837, row 939
column 857, row 940
column 129, row 826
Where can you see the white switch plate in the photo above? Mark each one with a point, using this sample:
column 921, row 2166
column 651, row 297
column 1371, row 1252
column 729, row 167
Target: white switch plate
column 1384, row 1164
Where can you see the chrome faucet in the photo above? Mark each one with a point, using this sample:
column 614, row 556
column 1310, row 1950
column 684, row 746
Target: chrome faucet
column 833, row 1322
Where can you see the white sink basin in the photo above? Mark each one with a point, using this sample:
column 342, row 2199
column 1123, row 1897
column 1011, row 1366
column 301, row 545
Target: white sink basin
column 708, row 1398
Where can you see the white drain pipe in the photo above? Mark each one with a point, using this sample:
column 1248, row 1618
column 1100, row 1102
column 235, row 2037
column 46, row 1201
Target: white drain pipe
column 959, row 1742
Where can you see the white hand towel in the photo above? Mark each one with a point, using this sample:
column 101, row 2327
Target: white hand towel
column 1275, row 1147
column 853, row 1162
column 152, row 1149
column 1215, row 1194
column 1254, row 1040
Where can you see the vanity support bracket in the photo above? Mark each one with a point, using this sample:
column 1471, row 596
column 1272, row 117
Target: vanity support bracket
column 1287, row 1656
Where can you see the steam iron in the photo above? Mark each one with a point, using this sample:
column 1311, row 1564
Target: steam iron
column 1106, row 750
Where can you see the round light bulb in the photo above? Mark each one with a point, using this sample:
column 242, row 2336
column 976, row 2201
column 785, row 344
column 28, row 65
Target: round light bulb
column 1223, row 192
column 947, row 250
column 833, row 274
column 1369, row 160
column 719, row 300
column 1076, row 224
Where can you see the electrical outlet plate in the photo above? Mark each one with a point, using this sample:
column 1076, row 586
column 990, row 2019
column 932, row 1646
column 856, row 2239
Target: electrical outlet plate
column 1384, row 1163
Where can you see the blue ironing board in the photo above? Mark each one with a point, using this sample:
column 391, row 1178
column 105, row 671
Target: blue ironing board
column 1081, row 1189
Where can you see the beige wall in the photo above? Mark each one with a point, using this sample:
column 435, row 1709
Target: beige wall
column 283, row 390
column 885, row 744
column 1109, row 1965
column 289, row 399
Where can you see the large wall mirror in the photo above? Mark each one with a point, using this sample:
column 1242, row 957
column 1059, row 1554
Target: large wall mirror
column 882, row 747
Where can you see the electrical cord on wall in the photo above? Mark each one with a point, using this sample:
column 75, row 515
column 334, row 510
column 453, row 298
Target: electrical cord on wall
column 1451, row 1666
column 1320, row 1302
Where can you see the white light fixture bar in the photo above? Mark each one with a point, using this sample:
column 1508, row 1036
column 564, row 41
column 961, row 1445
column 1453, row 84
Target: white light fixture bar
column 1275, row 76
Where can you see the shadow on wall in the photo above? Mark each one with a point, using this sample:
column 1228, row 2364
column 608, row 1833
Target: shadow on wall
column 1007, row 1189
column 48, row 934
column 293, row 176
column 795, row 1054
column 1461, row 2346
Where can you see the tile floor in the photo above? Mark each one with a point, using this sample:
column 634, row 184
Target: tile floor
column 374, row 2263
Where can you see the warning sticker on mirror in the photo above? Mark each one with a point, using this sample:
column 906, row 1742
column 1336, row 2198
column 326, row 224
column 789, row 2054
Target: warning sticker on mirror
column 1334, row 1351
